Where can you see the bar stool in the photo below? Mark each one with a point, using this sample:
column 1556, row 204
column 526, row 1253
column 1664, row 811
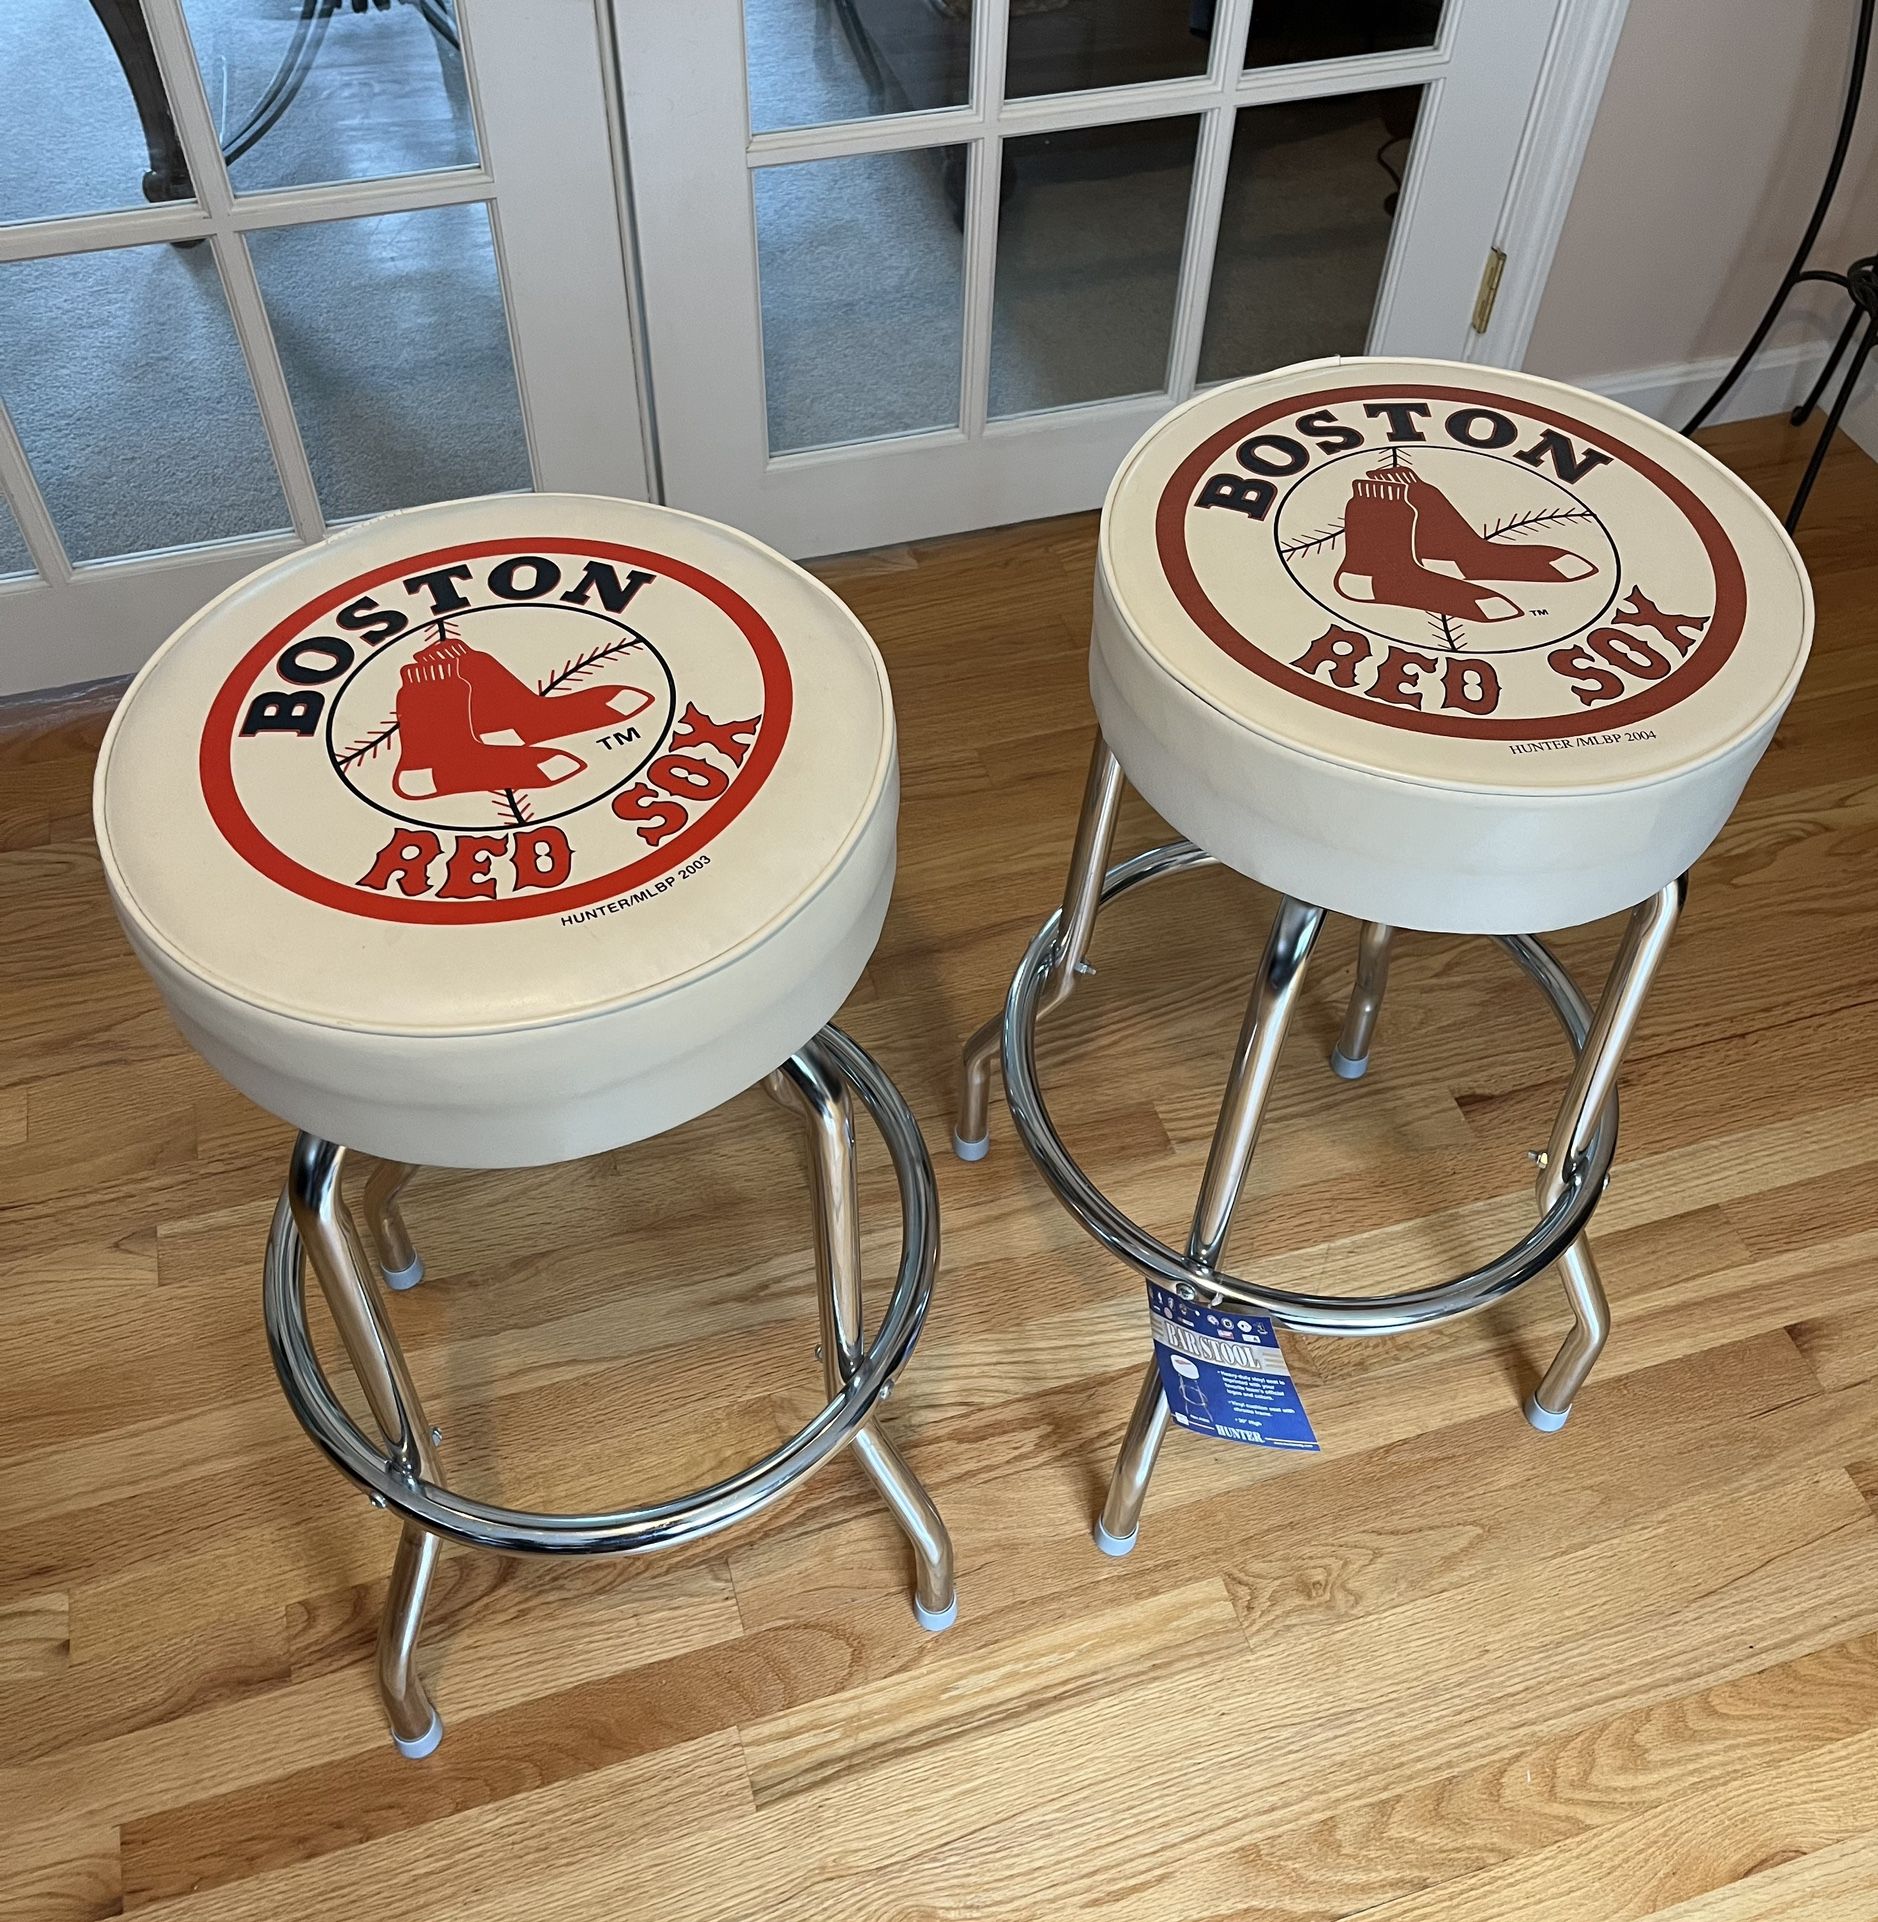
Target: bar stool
column 1438, row 647
column 504, row 832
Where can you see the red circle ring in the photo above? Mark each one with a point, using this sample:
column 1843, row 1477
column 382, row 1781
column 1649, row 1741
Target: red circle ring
column 239, row 830
column 1703, row 664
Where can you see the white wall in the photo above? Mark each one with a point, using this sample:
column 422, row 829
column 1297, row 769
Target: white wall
column 1706, row 154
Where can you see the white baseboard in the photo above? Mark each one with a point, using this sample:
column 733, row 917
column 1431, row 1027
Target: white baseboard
column 1776, row 383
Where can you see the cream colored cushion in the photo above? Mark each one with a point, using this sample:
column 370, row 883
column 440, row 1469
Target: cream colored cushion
column 507, row 830
column 1440, row 645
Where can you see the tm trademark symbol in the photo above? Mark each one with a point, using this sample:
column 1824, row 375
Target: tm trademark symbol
column 621, row 739
column 1539, row 611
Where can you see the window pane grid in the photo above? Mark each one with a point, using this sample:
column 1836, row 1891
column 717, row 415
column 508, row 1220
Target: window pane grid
column 845, row 283
column 394, row 348
column 348, row 172
column 131, row 397
column 299, row 98
column 1177, row 333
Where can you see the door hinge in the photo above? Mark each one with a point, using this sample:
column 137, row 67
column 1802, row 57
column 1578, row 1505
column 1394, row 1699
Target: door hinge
column 1489, row 289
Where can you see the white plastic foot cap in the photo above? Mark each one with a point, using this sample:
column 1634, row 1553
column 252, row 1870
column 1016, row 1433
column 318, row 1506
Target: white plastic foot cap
column 1543, row 1419
column 936, row 1619
column 1116, row 1545
column 1342, row 1066
column 970, row 1150
column 403, row 1278
column 424, row 1743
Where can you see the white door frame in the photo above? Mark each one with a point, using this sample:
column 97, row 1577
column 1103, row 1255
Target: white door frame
column 692, row 151
column 1539, row 195
column 550, row 174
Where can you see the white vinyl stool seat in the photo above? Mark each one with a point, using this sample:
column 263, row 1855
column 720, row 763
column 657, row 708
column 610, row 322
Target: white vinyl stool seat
column 499, row 833
column 677, row 878
column 1407, row 762
column 1440, row 647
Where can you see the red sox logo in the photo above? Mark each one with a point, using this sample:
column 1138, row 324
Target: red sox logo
column 482, row 734
column 1451, row 561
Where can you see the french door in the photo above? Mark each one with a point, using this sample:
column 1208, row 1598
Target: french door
column 267, row 266
column 936, row 263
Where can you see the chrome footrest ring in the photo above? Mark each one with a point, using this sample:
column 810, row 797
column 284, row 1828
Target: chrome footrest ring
column 681, row 1518
column 1557, row 1228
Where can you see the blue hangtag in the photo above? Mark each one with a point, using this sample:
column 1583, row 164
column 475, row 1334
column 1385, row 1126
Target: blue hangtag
column 1225, row 1374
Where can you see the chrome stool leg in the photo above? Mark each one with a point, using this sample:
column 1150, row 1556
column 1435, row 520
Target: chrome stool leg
column 345, row 1274
column 1268, row 1014
column 1082, row 896
column 1120, row 1521
column 1593, row 1082
column 396, row 1461
column 1350, row 1057
column 403, row 1266
column 808, row 1085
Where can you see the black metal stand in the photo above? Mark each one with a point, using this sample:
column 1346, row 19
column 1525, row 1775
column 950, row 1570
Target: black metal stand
column 168, row 178
column 1860, row 281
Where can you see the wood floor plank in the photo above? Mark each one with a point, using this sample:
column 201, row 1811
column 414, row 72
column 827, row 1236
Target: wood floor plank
column 498, row 1851
column 35, row 1636
column 80, row 1703
column 1829, row 1886
column 1840, row 1349
column 1641, row 1866
column 72, row 1877
column 970, row 1688
column 1523, row 1832
column 1437, row 1508
column 550, row 1738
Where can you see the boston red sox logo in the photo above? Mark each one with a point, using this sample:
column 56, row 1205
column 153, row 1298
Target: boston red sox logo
column 439, row 731
column 1450, row 561
column 1402, row 542
column 466, row 724
column 483, row 734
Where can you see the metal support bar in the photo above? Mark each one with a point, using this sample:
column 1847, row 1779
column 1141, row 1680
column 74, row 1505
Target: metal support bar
column 1584, row 1142
column 1828, row 188
column 1249, row 1081
column 345, row 1276
column 1082, row 901
column 807, row 1084
column 650, row 1526
column 402, row 1470
column 1847, row 388
column 402, row 1265
column 1229, row 1158
column 1147, row 1428
column 1350, row 1057
column 1591, row 1089
column 1391, row 1313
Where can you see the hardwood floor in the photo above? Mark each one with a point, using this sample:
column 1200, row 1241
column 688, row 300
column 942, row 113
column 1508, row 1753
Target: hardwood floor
column 1447, row 1671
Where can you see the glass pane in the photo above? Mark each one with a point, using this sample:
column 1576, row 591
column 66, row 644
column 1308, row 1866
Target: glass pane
column 1310, row 197
column 315, row 91
column 128, row 387
column 811, row 61
column 396, row 350
column 1089, row 243
column 1288, row 30
column 862, row 267
column 14, row 558
column 82, row 111
column 1063, row 46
